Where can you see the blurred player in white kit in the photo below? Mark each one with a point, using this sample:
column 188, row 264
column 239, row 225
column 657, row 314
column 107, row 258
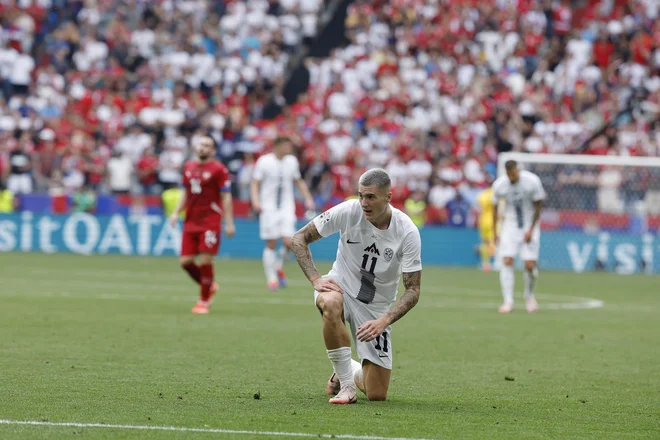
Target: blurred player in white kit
column 271, row 193
column 377, row 245
column 521, row 230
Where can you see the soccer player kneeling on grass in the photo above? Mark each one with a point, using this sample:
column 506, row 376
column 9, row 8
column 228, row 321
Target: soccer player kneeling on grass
column 521, row 231
column 206, row 183
column 377, row 243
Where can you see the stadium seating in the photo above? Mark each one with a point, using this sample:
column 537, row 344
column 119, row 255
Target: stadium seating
column 432, row 91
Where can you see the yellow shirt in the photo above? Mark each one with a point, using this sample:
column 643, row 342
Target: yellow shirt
column 170, row 198
column 416, row 211
column 6, row 202
column 485, row 200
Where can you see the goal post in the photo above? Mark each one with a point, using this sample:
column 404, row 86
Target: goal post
column 601, row 213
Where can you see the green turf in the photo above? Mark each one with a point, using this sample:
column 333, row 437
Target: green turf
column 111, row 340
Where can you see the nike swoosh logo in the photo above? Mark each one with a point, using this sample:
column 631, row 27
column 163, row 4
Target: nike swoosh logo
column 382, row 355
column 352, row 242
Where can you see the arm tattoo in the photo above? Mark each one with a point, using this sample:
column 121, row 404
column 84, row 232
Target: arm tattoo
column 300, row 246
column 412, row 284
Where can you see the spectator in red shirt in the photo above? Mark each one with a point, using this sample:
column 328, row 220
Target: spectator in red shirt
column 147, row 171
column 641, row 46
column 603, row 50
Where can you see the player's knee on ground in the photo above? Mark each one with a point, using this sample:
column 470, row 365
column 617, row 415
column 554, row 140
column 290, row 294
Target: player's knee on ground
column 530, row 265
column 185, row 260
column 377, row 395
column 331, row 305
column 271, row 244
column 375, row 380
column 508, row 261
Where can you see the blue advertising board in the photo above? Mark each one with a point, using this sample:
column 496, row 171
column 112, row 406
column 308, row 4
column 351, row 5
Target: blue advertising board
column 150, row 235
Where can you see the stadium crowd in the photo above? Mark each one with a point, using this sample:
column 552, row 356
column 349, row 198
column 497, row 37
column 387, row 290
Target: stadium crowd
column 110, row 94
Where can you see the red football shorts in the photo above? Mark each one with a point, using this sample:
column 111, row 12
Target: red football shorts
column 203, row 242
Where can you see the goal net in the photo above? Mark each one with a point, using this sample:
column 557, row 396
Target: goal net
column 602, row 213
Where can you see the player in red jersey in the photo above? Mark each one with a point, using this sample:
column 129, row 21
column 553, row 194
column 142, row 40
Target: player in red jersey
column 206, row 182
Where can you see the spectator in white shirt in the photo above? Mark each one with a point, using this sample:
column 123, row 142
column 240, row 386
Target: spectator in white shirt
column 20, row 74
column 120, row 172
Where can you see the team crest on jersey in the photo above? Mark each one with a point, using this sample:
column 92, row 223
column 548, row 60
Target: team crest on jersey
column 206, row 175
column 373, row 249
column 389, row 253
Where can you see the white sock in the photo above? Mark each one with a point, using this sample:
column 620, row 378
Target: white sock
column 530, row 279
column 357, row 373
column 507, row 281
column 341, row 363
column 282, row 257
column 269, row 259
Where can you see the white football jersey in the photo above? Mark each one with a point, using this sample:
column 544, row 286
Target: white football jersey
column 276, row 177
column 370, row 260
column 520, row 198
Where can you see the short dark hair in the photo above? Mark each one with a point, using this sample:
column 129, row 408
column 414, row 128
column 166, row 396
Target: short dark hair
column 510, row 165
column 210, row 136
column 376, row 176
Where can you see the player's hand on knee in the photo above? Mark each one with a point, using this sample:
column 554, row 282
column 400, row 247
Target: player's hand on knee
column 371, row 330
column 327, row 285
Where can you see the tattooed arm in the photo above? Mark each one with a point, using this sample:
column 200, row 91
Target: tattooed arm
column 372, row 329
column 412, row 284
column 300, row 246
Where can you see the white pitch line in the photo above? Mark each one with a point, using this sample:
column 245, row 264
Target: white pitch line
column 204, row 430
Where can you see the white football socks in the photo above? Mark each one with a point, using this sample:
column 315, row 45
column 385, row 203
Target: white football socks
column 270, row 259
column 530, row 280
column 507, row 282
column 341, row 363
column 357, row 374
column 282, row 257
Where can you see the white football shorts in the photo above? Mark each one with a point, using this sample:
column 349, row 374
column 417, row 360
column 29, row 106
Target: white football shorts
column 277, row 224
column 512, row 243
column 378, row 351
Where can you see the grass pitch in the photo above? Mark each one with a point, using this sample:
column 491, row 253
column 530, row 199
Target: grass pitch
column 110, row 340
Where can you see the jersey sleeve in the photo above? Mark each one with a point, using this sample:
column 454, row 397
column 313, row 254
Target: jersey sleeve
column 333, row 220
column 538, row 192
column 411, row 260
column 224, row 179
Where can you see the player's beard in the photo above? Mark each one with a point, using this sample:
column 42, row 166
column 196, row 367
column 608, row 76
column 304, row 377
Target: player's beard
column 203, row 157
